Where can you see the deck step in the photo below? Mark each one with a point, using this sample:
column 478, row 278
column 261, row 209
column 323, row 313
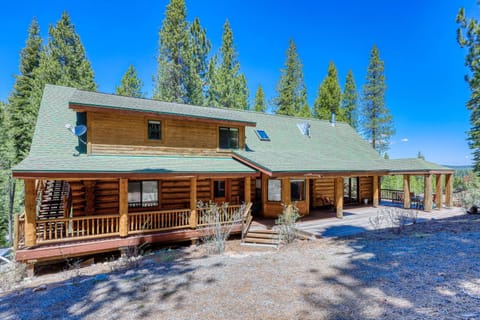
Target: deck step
column 259, row 235
column 262, row 237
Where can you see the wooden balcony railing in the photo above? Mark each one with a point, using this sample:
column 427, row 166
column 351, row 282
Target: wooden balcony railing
column 392, row 195
column 54, row 230
column 203, row 219
column 158, row 221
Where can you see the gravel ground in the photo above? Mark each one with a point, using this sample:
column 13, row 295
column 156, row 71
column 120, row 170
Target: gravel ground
column 429, row 271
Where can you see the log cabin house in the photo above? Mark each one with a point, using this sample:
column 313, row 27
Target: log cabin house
column 137, row 173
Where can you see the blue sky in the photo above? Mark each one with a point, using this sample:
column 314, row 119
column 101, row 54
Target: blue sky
column 417, row 40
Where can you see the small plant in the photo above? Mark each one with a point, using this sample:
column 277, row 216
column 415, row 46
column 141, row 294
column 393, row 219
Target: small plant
column 217, row 223
column 286, row 223
column 72, row 268
column 396, row 218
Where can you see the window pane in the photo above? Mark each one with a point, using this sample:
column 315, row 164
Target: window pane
column 223, row 138
column 154, row 130
column 233, row 138
column 150, row 194
column 228, row 138
column 274, row 190
column 297, row 190
column 134, row 195
column 219, row 189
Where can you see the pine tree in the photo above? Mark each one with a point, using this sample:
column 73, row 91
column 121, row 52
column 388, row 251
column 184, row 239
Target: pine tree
column 173, row 55
column 329, row 96
column 211, row 95
column 198, row 70
column 131, row 85
column 377, row 123
column 468, row 36
column 229, row 87
column 260, row 104
column 64, row 61
column 291, row 96
column 350, row 101
column 23, row 113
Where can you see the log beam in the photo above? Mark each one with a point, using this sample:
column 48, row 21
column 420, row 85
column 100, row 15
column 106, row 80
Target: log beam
column 193, row 203
column 438, row 191
column 123, row 207
column 449, row 190
column 376, row 191
column 247, row 190
column 406, row 191
column 339, row 196
column 427, row 205
column 30, row 213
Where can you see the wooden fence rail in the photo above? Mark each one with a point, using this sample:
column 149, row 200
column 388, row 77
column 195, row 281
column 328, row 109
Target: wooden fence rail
column 204, row 219
column 158, row 221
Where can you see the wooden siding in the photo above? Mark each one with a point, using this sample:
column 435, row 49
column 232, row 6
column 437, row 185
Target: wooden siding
column 113, row 133
column 366, row 189
column 94, row 197
column 321, row 188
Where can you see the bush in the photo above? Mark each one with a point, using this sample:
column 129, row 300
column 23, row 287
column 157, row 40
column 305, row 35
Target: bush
column 286, row 223
column 395, row 218
column 217, row 223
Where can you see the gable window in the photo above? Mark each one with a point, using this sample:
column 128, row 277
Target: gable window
column 228, row 138
column 219, row 189
column 274, row 190
column 154, row 130
column 142, row 194
column 297, row 190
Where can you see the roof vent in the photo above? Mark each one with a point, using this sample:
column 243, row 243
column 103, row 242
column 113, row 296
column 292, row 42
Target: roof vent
column 333, row 122
column 304, row 128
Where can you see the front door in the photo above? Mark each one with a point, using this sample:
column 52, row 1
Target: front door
column 219, row 191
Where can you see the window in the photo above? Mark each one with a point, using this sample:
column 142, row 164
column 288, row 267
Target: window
column 262, row 135
column 297, row 190
column 274, row 190
column 219, row 189
column 350, row 190
column 154, row 130
column 228, row 138
column 143, row 194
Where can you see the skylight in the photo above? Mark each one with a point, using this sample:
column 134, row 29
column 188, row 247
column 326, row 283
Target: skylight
column 262, row 135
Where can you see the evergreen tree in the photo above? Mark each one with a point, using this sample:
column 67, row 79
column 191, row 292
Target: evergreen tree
column 23, row 113
column 173, row 55
column 377, row 123
column 211, row 96
column 468, row 36
column 131, row 85
column 198, row 70
column 350, row 101
column 64, row 61
column 260, row 104
column 291, row 96
column 229, row 87
column 329, row 96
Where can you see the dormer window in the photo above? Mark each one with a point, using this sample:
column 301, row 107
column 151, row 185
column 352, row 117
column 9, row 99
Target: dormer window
column 154, row 130
column 228, row 138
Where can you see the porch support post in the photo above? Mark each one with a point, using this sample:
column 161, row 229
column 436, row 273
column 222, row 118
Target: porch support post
column 339, row 196
column 406, row 191
column 438, row 191
column 247, row 190
column 30, row 213
column 123, row 205
column 193, row 203
column 286, row 199
column 449, row 190
column 428, row 192
column 376, row 191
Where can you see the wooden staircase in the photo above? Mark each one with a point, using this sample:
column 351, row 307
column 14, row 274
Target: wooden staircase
column 55, row 200
column 262, row 237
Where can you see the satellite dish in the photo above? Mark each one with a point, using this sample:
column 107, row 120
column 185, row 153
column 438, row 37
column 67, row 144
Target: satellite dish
column 77, row 131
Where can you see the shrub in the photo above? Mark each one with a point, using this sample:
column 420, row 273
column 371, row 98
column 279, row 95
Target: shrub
column 286, row 223
column 396, row 218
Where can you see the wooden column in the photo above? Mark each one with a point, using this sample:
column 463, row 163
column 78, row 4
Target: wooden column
column 376, row 191
column 286, row 191
column 427, row 200
column 339, row 196
column 193, row 203
column 307, row 195
column 247, row 190
column 30, row 213
column 123, row 207
column 438, row 191
column 406, row 191
column 449, row 190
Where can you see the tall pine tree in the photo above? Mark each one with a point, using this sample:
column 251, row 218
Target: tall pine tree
column 131, row 85
column 350, row 101
column 329, row 96
column 173, row 55
column 22, row 110
column 291, row 96
column 377, row 122
column 199, row 46
column 260, row 104
column 468, row 36
column 229, row 86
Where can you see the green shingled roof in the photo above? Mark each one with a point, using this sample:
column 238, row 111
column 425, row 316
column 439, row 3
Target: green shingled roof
column 328, row 148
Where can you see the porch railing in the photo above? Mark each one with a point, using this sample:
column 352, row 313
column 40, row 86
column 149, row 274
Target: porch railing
column 392, row 195
column 158, row 221
column 77, row 228
column 202, row 215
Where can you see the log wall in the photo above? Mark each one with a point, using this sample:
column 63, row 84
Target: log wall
column 366, row 189
column 320, row 188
